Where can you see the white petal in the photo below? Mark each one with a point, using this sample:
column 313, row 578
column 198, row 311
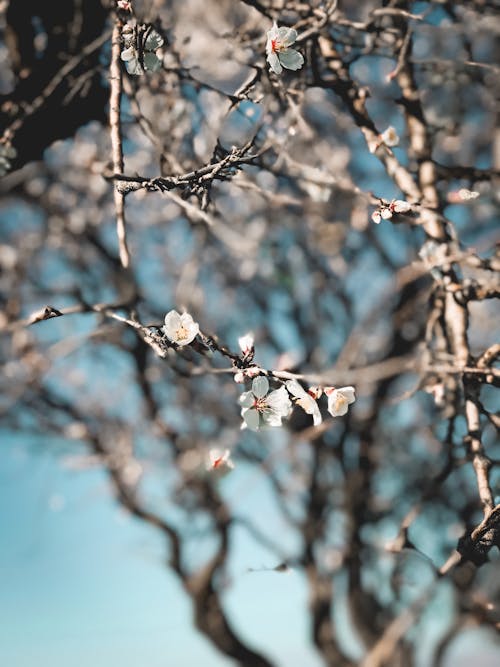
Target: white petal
column 271, row 419
column 386, row 213
column 172, row 322
column 134, row 67
column 291, row 59
column 317, row 418
column 153, row 41
column 287, row 36
column 274, row 62
column 337, row 404
column 151, row 62
column 278, row 402
column 247, row 399
column 273, row 33
column 376, row 217
column 252, row 419
column 128, row 54
column 348, row 393
column 296, row 389
column 260, row 386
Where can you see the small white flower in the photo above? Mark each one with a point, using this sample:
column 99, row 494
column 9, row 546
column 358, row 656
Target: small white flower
column 390, row 137
column 180, row 329
column 219, row 461
column 125, row 5
column 305, row 400
column 246, row 343
column 279, row 54
column 386, row 213
column 140, row 57
column 339, row 400
column 262, row 409
column 376, row 217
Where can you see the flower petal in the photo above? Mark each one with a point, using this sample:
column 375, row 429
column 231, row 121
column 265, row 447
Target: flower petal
column 274, row 62
column 287, row 36
column 246, row 399
column 271, row 419
column 296, row 389
column 348, row 393
column 252, row 419
column 260, row 386
column 128, row 54
column 151, row 62
column 291, row 59
column 278, row 402
column 153, row 41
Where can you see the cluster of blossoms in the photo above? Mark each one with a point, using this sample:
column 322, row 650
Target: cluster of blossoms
column 141, row 44
column 279, row 53
column 7, row 153
column 386, row 212
column 262, row 408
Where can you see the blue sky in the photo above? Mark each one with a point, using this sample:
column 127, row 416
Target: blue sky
column 83, row 583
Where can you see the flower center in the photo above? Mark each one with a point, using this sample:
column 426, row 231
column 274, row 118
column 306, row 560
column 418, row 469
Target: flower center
column 276, row 45
column 260, row 404
column 182, row 333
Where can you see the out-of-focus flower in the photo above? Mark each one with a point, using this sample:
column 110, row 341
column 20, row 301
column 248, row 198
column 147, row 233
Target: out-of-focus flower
column 462, row 195
column 180, row 329
column 339, row 400
column 389, row 137
column 305, row 400
column 279, row 53
column 260, row 408
column 140, row 47
column 125, row 5
column 219, row 461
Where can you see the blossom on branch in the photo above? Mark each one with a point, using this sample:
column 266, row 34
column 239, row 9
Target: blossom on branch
column 305, row 400
column 386, row 212
column 180, row 329
column 339, row 400
column 390, row 137
column 141, row 43
column 260, row 408
column 279, row 53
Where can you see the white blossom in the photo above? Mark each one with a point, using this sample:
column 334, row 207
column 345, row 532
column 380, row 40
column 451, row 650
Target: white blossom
column 339, row 400
column 138, row 58
column 390, row 137
column 386, row 213
column 260, row 408
column 305, row 400
column 219, row 461
column 180, row 329
column 279, row 53
column 376, row 217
